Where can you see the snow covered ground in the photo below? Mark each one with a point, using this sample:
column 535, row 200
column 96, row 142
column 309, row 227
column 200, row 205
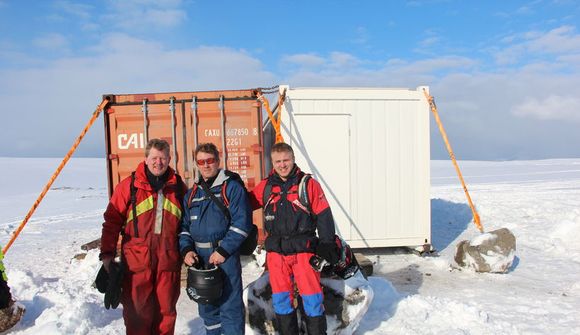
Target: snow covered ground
column 539, row 201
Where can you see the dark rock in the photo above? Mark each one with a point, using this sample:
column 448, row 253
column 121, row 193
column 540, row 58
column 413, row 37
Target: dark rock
column 10, row 315
column 91, row 245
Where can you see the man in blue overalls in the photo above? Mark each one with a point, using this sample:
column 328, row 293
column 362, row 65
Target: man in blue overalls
column 212, row 234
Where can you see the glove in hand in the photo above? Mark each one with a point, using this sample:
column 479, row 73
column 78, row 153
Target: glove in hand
column 113, row 293
column 328, row 251
column 102, row 280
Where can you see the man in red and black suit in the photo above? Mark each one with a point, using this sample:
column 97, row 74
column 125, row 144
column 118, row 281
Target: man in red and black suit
column 295, row 234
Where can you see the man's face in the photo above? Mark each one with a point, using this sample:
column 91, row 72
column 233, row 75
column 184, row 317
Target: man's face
column 207, row 164
column 157, row 161
column 283, row 163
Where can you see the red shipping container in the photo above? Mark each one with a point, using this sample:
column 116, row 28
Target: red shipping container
column 229, row 119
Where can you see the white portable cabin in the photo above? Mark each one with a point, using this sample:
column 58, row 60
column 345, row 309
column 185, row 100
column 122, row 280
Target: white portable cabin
column 369, row 149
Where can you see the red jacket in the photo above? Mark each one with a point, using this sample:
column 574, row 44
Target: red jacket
column 150, row 249
column 291, row 229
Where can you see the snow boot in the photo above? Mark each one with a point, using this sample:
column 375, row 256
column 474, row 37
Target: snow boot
column 316, row 325
column 287, row 324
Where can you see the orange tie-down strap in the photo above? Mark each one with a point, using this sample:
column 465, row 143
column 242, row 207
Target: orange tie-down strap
column 96, row 113
column 431, row 102
column 275, row 122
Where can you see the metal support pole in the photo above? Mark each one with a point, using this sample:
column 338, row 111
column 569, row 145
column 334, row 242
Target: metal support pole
column 145, row 110
column 185, row 173
column 173, row 136
column 223, row 124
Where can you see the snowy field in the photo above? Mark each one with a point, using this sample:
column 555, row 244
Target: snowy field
column 539, row 201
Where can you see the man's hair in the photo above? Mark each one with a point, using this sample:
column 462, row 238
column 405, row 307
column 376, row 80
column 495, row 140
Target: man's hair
column 282, row 147
column 158, row 144
column 208, row 148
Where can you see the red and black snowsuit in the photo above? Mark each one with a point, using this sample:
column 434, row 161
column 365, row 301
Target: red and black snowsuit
column 292, row 240
column 151, row 284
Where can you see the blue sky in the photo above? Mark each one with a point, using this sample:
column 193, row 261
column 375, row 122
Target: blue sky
column 505, row 74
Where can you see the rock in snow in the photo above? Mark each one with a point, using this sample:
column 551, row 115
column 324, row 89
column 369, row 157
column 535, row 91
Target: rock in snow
column 490, row 252
column 345, row 301
column 10, row 315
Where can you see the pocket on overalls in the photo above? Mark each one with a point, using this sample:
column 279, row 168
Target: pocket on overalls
column 137, row 254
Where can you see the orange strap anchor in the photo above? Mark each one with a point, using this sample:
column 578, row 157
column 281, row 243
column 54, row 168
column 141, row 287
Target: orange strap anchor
column 431, row 101
column 55, row 174
column 275, row 122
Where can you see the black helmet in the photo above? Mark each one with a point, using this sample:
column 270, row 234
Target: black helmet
column 205, row 286
column 347, row 264
column 345, row 267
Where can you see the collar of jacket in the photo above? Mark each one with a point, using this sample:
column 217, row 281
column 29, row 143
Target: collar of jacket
column 142, row 182
column 292, row 177
column 219, row 179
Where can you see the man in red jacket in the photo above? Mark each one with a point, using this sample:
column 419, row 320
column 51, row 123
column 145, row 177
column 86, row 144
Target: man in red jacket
column 292, row 240
column 149, row 226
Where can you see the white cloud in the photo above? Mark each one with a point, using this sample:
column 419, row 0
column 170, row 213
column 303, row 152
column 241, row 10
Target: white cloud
column 553, row 107
column 146, row 14
column 59, row 97
column 572, row 60
column 361, row 36
column 304, row 60
column 534, row 45
column 346, row 70
column 431, row 65
column 52, row 41
column 165, row 18
column 343, row 60
column 81, row 11
column 525, row 10
column 560, row 40
column 429, row 41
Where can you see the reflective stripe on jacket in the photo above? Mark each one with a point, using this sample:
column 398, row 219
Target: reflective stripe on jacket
column 158, row 217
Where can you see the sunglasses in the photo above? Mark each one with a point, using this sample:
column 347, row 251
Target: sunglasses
column 209, row 161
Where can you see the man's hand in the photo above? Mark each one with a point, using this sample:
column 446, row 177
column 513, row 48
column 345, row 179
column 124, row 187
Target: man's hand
column 328, row 251
column 216, row 258
column 190, row 258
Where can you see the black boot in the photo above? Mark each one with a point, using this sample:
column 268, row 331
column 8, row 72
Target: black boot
column 316, row 325
column 287, row 323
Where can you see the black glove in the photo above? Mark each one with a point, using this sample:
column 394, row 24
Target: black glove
column 102, row 280
column 113, row 293
column 328, row 251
